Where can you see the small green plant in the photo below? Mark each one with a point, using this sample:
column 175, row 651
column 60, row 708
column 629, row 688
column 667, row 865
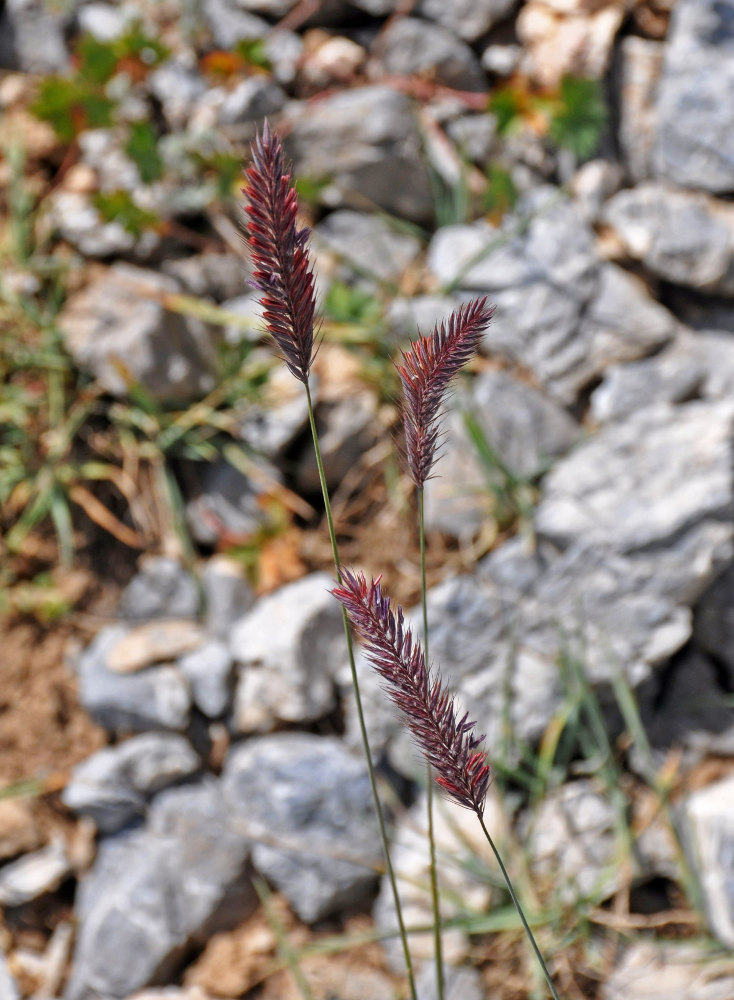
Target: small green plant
column 119, row 206
column 573, row 115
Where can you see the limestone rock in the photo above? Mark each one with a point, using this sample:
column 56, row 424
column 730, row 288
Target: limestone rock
column 306, row 803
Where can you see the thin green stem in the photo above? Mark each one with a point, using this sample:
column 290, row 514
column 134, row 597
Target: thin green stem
column 435, row 900
column 358, row 703
column 516, row 901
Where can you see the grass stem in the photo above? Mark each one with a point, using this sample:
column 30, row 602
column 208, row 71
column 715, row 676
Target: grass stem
column 358, row 703
column 435, row 900
column 518, row 907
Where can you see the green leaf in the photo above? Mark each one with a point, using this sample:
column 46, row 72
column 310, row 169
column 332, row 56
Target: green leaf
column 346, row 304
column 254, row 53
column 581, row 116
column 118, row 206
column 505, row 105
column 501, row 194
column 71, row 105
column 97, row 60
column 142, row 148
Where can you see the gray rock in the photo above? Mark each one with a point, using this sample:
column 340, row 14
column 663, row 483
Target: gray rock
column 411, row 46
column 366, row 247
column 640, row 66
column 593, row 184
column 630, row 489
column 230, row 24
column 475, row 136
column 178, row 85
column 560, row 312
column 117, row 329
column 688, row 712
column 223, row 276
column 469, row 19
column 289, row 648
column 247, row 308
column 113, row 786
column 367, row 143
column 713, row 622
column 103, row 21
column 162, row 588
column 649, row 971
column 347, row 428
column 8, row 986
column 284, row 50
column 208, row 670
column 673, row 376
column 710, row 844
column 505, row 649
column 279, row 414
column 305, row 802
column 572, row 844
column 76, row 219
column 682, row 236
column 521, row 426
column 502, row 60
column 411, row 318
column 155, row 698
column 252, row 99
column 226, row 503
column 155, row 892
column 695, row 130
column 32, row 37
column 33, row 875
column 227, row 594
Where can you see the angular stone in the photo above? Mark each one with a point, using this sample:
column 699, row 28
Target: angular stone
column 460, row 982
column 230, row 24
column 695, row 119
column 559, row 310
column 415, row 317
column 673, row 376
column 640, row 67
column 521, row 426
column 684, row 237
column 709, row 830
column 113, row 786
column 33, row 875
column 475, row 136
column 468, row 19
column 366, row 142
column 289, row 648
column 279, row 415
column 208, row 670
column 713, row 622
column 154, row 642
column 572, row 844
column 178, row 85
column 221, row 275
column 410, row 46
column 226, row 504
column 162, row 588
column 306, row 803
column 347, row 428
column 573, row 39
column 650, row 971
column 366, row 247
column 593, row 184
column 629, row 488
column 155, row 892
column 78, row 221
column 32, row 38
column 8, row 986
column 252, row 99
column 227, row 594
column 118, row 329
column 156, row 698
column 688, row 713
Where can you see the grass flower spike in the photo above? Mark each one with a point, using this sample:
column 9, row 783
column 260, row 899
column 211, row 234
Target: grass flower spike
column 448, row 743
column 426, row 372
column 282, row 269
